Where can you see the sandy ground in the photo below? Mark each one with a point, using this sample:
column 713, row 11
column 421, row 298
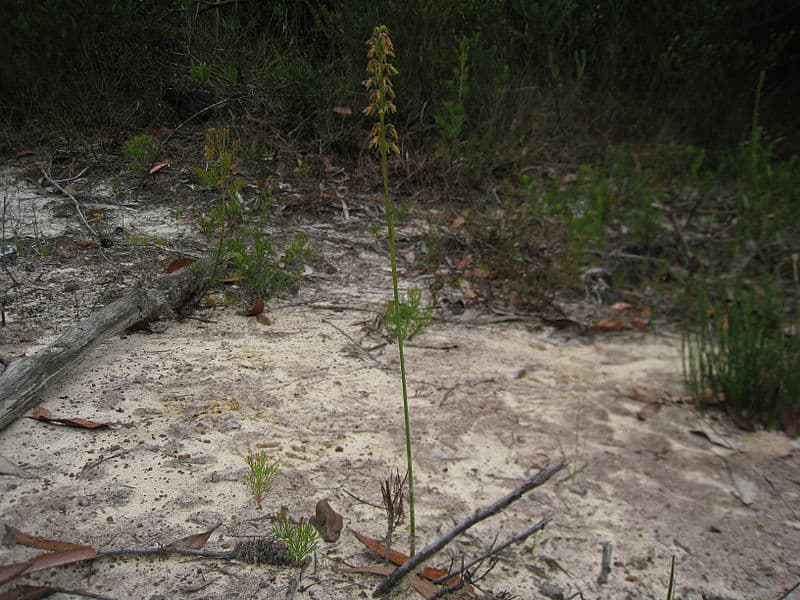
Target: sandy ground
column 491, row 403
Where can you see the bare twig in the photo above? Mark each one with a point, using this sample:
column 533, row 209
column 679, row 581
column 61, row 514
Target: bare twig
column 426, row 553
column 74, row 177
column 494, row 550
column 392, row 493
column 362, row 501
column 78, row 210
column 197, row 114
column 605, row 563
column 358, row 346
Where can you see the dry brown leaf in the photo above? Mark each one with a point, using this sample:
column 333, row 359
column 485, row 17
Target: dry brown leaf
column 157, row 167
column 398, row 558
column 25, row 152
column 44, row 415
column 410, row 257
column 342, row 110
column 84, row 243
column 257, row 308
column 194, row 542
column 462, row 263
column 741, row 421
column 606, row 325
column 791, row 422
column 621, row 306
column 263, row 319
column 327, row 521
column 458, row 222
column 648, row 410
column 47, row 561
column 178, row 264
column 95, row 218
column 639, row 323
column 379, row 550
column 16, row 536
column 209, row 302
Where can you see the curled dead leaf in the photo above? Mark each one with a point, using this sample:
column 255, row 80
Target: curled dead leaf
column 621, row 306
column 157, row 167
column 178, row 264
column 648, row 410
column 257, row 308
column 195, row 541
column 44, row 415
column 606, row 325
column 327, row 521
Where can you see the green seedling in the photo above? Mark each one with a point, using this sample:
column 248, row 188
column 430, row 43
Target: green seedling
column 383, row 137
column 142, row 150
column 671, row 588
column 301, row 539
column 412, row 319
column 261, row 475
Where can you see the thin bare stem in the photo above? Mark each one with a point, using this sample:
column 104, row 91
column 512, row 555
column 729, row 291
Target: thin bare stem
column 431, row 549
column 78, row 210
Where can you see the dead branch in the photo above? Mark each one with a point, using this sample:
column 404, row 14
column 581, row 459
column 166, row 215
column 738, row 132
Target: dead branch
column 357, row 346
column 431, row 549
column 605, row 563
column 494, row 550
column 77, row 209
column 24, row 380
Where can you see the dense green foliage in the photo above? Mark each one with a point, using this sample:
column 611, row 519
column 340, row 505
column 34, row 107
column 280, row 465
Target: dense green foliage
column 485, row 70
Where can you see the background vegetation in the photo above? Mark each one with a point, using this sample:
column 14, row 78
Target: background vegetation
column 533, row 69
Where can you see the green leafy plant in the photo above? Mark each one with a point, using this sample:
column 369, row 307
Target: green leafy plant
column 412, row 319
column 142, row 150
column 301, row 539
column 262, row 473
column 234, row 227
column 383, row 137
column 739, row 348
column 201, row 71
column 453, row 116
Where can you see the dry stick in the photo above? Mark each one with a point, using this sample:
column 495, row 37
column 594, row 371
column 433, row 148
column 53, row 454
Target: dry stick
column 605, row 563
column 195, row 115
column 73, row 593
column 352, row 341
column 496, row 550
column 426, row 553
column 77, row 209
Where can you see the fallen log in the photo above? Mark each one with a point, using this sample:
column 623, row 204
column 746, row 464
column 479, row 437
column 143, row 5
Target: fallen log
column 24, row 380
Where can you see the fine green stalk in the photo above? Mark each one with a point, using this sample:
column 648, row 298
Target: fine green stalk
column 384, row 136
column 671, row 588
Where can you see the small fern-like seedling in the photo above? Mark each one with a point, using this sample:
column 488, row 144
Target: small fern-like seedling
column 413, row 317
column 301, row 539
column 262, row 473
